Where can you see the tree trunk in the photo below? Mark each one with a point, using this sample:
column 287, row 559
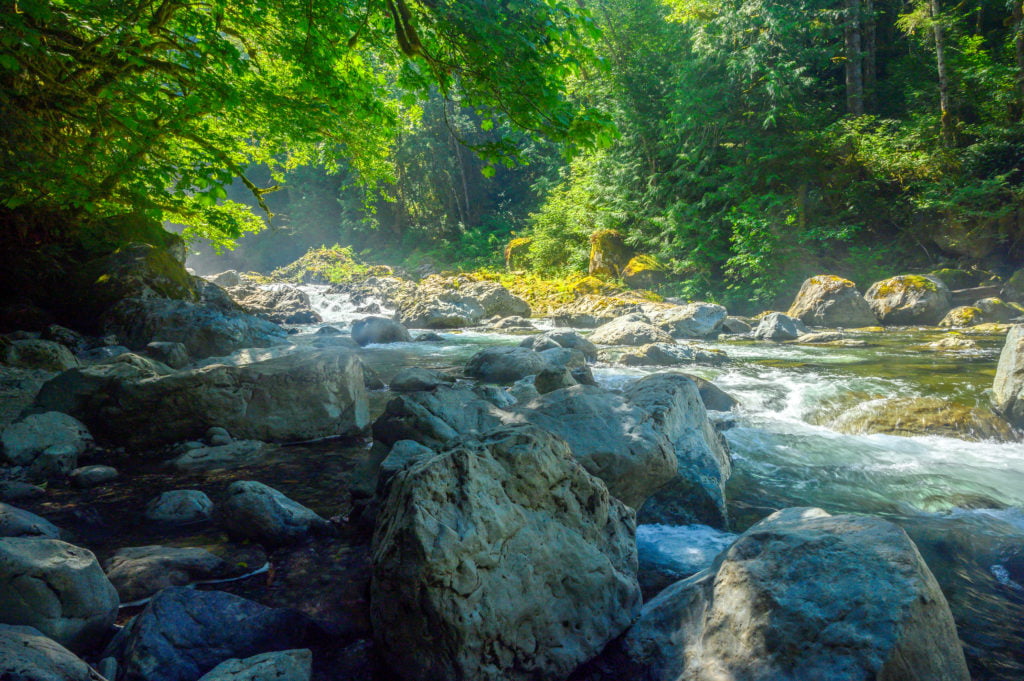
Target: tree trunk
column 945, row 120
column 854, row 59
column 1018, row 49
column 870, row 55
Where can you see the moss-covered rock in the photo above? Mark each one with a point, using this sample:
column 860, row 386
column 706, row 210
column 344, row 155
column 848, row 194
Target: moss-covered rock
column 516, row 252
column 644, row 271
column 962, row 316
column 328, row 265
column 924, row 416
column 828, row 300
column 998, row 311
column 1013, row 289
column 609, row 253
column 956, row 279
column 909, row 299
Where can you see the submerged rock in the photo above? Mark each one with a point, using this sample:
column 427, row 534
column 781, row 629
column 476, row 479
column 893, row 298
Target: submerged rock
column 500, row 559
column 804, row 596
column 38, row 354
column 674, row 354
column 57, row 588
column 180, row 506
column 379, row 330
column 909, row 299
column 237, row 453
column 828, row 300
column 917, row 416
column 292, row 397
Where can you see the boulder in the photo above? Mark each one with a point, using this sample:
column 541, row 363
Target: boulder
column 138, row 572
column 180, row 506
column 225, row 279
column 693, row 320
column 803, row 596
column 183, row 633
column 414, row 379
column 609, row 253
column 204, row 330
column 278, row 303
column 439, row 303
column 590, row 311
column 27, row 655
column 15, row 490
column 952, row 343
column 644, row 271
column 696, row 492
column 736, row 325
column 72, row 340
column 379, row 330
column 962, row 316
column 713, row 397
column 670, row 354
column 503, row 364
column 255, row 511
column 17, row 522
column 290, row 397
column 38, row 354
column 136, row 270
column 174, row 355
column 779, row 327
column 629, row 330
column 54, row 463
column 561, row 339
column 909, row 300
column 994, row 310
column 25, row 440
column 920, row 416
column 237, row 453
column 286, row 665
column 500, row 559
column 435, row 418
column 828, row 300
column 1008, row 387
column 57, row 588
column 549, row 380
column 93, row 476
column 1013, row 289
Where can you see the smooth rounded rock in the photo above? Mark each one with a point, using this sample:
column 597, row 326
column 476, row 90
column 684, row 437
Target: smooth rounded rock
column 255, row 511
column 828, row 300
column 24, row 440
column 93, row 476
column 180, row 506
column 27, row 655
column 17, row 522
column 379, row 330
column 286, row 665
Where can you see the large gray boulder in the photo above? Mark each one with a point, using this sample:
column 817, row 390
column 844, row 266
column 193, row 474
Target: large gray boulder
column 278, row 303
column 500, row 559
column 38, row 354
column 561, row 339
column 255, row 511
column 138, row 572
column 205, row 330
column 379, row 330
column 801, row 596
column 291, row 397
column 286, row 665
column 31, row 436
column 183, row 633
column 779, row 327
column 27, row 655
column 696, row 493
column 439, row 303
column 435, row 418
column 505, row 364
column 629, row 330
column 590, row 311
column 693, row 320
column 17, row 522
column 828, row 300
column 909, row 299
column 57, row 588
column 1008, row 387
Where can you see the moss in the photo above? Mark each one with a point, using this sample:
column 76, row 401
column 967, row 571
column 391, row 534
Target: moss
column 609, row 253
column 588, row 285
column 328, row 265
column 904, row 283
column 962, row 316
column 516, row 251
column 831, row 283
column 955, row 279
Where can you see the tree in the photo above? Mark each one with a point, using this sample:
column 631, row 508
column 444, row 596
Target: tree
column 154, row 106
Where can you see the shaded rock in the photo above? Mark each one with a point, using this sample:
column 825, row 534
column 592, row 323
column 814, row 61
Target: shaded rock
column 92, row 476
column 644, row 271
column 828, row 300
column 183, row 633
column 955, row 279
column 413, row 379
column 735, row 325
column 403, row 454
column 327, row 331
column 255, row 511
column 696, row 492
column 27, row 655
column 500, row 559
column 17, row 522
column 801, row 595
column 434, row 418
column 136, row 270
column 1013, row 289
column 779, row 327
column 908, row 299
column 379, row 330
column 516, row 324
column 278, row 303
column 103, row 353
column 238, row 453
column 1008, row 386
column 54, row 462
column 18, row 388
column 287, row 665
column 923, row 416
column 693, row 320
column 669, row 553
column 429, row 337
column 140, row 571
column 25, row 440
column 505, row 364
column 292, row 397
column 561, row 339
column 174, row 355
column 609, row 253
column 204, row 330
column 994, row 310
column 57, row 588
column 217, row 437
column 180, row 506
column 72, row 340
column 713, row 397
column 629, row 330
column 665, row 354
column 549, row 380
column 38, row 354
column 15, row 490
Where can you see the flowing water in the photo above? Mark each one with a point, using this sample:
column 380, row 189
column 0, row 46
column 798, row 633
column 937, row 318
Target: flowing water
column 961, row 501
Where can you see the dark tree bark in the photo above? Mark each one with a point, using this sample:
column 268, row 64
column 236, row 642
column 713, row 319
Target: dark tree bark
column 870, row 56
column 854, row 59
column 946, row 120
column 1018, row 49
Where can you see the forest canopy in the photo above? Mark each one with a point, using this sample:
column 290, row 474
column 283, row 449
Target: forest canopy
column 155, row 106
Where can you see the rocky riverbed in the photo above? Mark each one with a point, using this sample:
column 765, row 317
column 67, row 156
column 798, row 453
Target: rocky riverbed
column 501, row 496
